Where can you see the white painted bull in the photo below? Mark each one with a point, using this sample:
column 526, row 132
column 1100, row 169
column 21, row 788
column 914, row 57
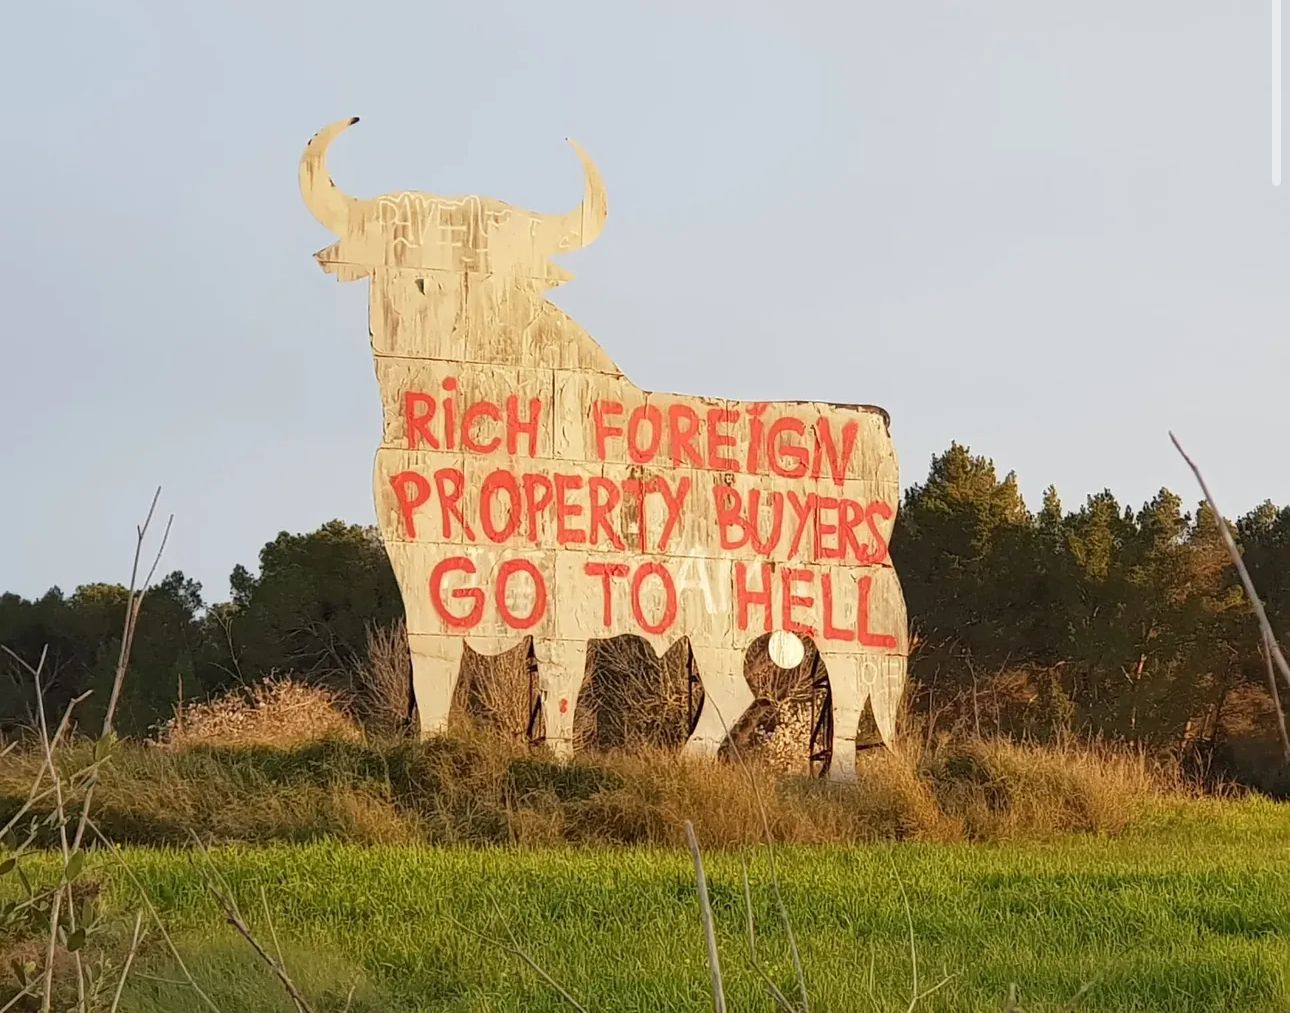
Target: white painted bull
column 525, row 487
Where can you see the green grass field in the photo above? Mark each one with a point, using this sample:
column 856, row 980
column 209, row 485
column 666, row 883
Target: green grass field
column 1189, row 910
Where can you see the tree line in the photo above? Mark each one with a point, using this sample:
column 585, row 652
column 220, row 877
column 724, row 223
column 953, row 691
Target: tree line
column 1127, row 624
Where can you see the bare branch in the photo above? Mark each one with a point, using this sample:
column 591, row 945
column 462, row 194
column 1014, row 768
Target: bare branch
column 909, row 921
column 55, row 910
column 235, row 919
column 156, row 918
column 219, row 888
column 129, row 959
column 514, row 948
column 931, row 991
column 779, row 997
column 915, row 996
column 27, row 990
column 35, row 794
column 1276, row 698
column 1269, row 636
column 165, row 537
column 273, row 932
column 134, row 603
column 770, row 854
column 705, row 913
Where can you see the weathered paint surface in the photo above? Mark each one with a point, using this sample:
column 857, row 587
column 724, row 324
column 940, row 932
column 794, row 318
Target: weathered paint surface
column 525, row 487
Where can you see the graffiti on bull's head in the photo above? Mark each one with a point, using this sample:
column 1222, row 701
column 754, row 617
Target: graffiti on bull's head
column 422, row 232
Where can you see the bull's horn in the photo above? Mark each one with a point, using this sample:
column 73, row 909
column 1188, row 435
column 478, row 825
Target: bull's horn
column 583, row 224
column 325, row 200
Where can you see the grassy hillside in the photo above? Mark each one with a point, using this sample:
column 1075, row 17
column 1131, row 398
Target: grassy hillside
column 1189, row 911
column 403, row 875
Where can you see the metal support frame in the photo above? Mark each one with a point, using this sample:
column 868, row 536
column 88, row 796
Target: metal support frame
column 821, row 746
column 692, row 680
column 535, row 701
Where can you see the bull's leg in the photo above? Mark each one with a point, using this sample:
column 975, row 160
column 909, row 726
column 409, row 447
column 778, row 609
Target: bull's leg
column 885, row 679
column 436, row 664
column 725, row 698
column 562, row 664
column 848, row 691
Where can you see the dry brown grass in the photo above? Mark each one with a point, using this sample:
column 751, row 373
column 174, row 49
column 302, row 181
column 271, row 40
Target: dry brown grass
column 1003, row 790
column 382, row 684
column 481, row 789
column 494, row 693
column 281, row 761
column 634, row 699
column 658, row 792
column 273, row 712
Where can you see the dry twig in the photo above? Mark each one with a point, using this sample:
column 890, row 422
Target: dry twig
column 134, row 603
column 156, row 918
column 779, row 997
column 27, row 990
column 55, row 911
column 705, row 913
column 1276, row 699
column 915, row 996
column 219, row 888
column 514, row 948
column 129, row 959
column 770, row 854
column 1269, row 636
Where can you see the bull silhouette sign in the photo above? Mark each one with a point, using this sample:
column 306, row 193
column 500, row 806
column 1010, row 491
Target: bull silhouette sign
column 527, row 491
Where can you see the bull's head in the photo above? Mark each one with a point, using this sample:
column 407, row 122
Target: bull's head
column 425, row 232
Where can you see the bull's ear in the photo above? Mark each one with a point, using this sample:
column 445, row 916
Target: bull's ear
column 557, row 275
column 329, row 260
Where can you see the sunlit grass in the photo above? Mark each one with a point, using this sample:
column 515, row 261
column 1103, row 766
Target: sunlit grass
column 1189, row 911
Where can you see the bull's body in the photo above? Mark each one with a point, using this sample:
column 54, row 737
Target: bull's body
column 525, row 487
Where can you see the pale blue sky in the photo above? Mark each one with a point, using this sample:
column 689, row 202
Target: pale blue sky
column 1044, row 229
